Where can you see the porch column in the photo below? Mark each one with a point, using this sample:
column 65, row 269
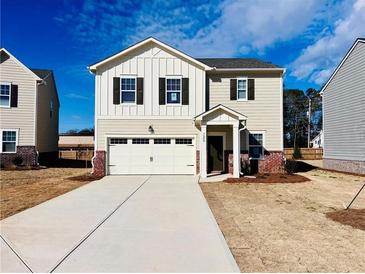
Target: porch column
column 236, row 152
column 203, row 151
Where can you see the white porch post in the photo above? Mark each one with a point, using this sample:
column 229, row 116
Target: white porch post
column 203, row 151
column 236, row 151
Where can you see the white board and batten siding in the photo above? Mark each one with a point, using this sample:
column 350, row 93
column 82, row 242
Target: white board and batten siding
column 344, row 109
column 23, row 116
column 150, row 62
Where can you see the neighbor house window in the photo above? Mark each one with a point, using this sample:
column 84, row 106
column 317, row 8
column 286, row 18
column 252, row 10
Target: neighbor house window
column 242, row 89
column 50, row 108
column 128, row 90
column 256, row 145
column 173, row 90
column 5, row 95
column 8, row 141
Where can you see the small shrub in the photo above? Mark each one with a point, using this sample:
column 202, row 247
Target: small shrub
column 290, row 166
column 297, row 153
column 17, row 161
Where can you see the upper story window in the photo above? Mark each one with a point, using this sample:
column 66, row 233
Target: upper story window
column 8, row 141
column 256, row 145
column 5, row 95
column 128, row 90
column 242, row 89
column 173, row 90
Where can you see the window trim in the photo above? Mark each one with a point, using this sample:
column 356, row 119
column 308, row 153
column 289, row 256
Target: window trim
column 7, row 84
column 135, row 89
column 180, row 91
column 242, row 99
column 263, row 143
column 16, row 139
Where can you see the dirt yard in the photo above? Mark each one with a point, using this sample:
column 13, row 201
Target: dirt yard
column 284, row 227
column 22, row 189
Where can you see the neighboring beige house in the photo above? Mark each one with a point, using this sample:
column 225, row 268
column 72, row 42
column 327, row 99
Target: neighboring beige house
column 344, row 113
column 160, row 111
column 317, row 142
column 29, row 107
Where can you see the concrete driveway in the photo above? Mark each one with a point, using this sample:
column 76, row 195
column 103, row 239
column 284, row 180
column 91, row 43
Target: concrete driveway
column 118, row 224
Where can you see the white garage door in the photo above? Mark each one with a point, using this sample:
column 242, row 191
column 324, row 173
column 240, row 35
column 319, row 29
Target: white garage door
column 151, row 156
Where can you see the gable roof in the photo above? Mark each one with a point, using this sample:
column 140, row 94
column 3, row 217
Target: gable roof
column 31, row 73
column 236, row 63
column 239, row 116
column 94, row 66
column 44, row 74
column 358, row 40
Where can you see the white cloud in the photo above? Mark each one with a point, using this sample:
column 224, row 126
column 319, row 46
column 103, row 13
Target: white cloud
column 318, row 60
column 73, row 95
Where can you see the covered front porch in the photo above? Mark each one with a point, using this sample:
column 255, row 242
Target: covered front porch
column 222, row 131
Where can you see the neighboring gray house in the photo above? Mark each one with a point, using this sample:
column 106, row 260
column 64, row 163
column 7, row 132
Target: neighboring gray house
column 160, row 111
column 29, row 108
column 344, row 113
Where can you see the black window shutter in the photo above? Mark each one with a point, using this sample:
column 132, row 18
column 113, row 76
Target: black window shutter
column 185, row 91
column 251, row 89
column 116, row 90
column 233, row 89
column 14, row 96
column 139, row 91
column 162, row 91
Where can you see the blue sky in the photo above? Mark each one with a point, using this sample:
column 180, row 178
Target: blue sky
column 309, row 37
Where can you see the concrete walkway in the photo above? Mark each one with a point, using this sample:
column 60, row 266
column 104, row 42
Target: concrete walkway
column 119, row 224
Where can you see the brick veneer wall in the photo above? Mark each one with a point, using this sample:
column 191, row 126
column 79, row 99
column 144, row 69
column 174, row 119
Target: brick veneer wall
column 273, row 161
column 345, row 165
column 197, row 162
column 27, row 153
column 99, row 163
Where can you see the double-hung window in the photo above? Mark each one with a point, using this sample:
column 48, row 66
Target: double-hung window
column 8, row 141
column 5, row 91
column 256, row 145
column 128, row 90
column 173, row 90
column 242, row 89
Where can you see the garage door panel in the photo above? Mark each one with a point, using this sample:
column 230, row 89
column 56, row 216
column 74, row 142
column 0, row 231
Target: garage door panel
column 160, row 156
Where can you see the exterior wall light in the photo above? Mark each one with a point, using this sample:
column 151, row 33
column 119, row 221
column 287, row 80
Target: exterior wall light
column 151, row 130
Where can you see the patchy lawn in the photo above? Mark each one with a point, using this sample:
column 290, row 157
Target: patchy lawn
column 22, row 189
column 285, row 227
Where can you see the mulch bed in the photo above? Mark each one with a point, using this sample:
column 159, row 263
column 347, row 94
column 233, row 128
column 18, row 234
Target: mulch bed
column 270, row 179
column 85, row 178
column 352, row 217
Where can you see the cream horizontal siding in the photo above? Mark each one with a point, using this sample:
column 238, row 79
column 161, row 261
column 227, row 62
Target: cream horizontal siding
column 264, row 113
column 344, row 109
column 47, row 126
column 21, row 117
column 151, row 63
column 140, row 127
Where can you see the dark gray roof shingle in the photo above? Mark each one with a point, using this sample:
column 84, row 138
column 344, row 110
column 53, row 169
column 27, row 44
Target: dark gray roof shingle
column 42, row 73
column 237, row 63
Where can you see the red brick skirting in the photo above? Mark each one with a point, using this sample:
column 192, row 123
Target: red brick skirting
column 197, row 162
column 99, row 163
column 27, row 153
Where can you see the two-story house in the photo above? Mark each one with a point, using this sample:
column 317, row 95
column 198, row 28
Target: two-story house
column 160, row 111
column 29, row 107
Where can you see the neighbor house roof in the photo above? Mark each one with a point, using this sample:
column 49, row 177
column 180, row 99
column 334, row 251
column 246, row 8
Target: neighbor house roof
column 236, row 63
column 93, row 67
column 8, row 54
column 358, row 40
column 44, row 74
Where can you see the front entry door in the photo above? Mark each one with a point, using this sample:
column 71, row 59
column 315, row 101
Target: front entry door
column 215, row 154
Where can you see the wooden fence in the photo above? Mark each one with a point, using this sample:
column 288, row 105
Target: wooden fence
column 307, row 153
column 76, row 154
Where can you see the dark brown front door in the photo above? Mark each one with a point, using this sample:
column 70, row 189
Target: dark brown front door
column 215, row 153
